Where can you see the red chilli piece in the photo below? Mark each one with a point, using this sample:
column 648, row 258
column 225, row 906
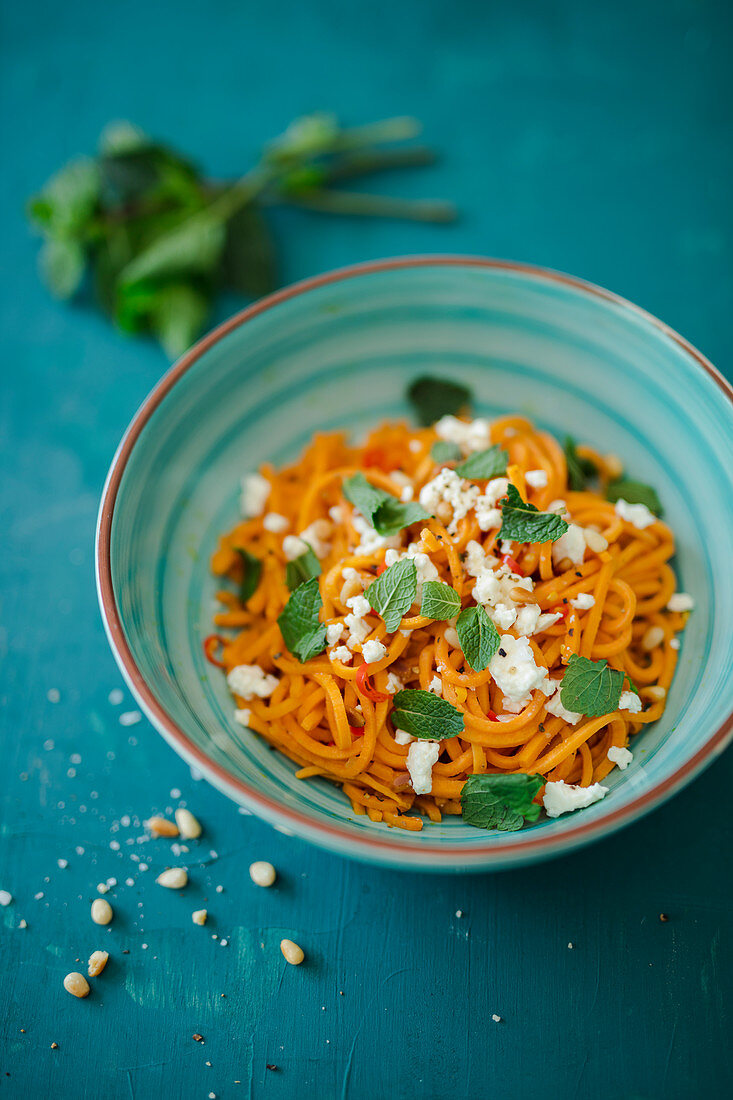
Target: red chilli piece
column 492, row 716
column 210, row 644
column 382, row 569
column 366, row 688
column 356, row 731
column 507, row 559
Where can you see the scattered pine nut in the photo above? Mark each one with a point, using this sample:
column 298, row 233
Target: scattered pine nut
column 197, row 1038
column 76, row 984
column 199, row 916
column 657, row 693
column 663, row 918
column 161, row 826
column 653, row 637
column 175, row 878
column 97, row 963
column 521, row 595
column 54, row 1046
column 595, row 541
column 188, row 826
column 262, row 873
column 101, row 911
column 293, row 954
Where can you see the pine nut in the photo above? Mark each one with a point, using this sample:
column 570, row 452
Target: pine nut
column 262, row 873
column 595, row 541
column 97, row 963
column 614, row 467
column 101, row 911
column 653, row 637
column 76, row 984
column 657, row 693
column 174, row 878
column 199, row 916
column 188, row 826
column 521, row 595
column 292, row 952
column 161, row 826
column 355, row 719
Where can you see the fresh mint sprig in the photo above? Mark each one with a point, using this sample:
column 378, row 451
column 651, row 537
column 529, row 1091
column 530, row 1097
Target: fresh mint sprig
column 393, row 594
column 478, row 636
column 634, row 492
column 299, row 622
column 386, row 514
column 502, row 802
column 302, row 568
column 251, row 573
column 160, row 239
column 425, row 715
column 439, row 601
column 522, row 522
column 432, row 398
column 591, row 687
column 484, row 464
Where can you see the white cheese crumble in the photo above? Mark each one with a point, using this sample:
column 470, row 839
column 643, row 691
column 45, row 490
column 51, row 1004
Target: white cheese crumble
column 583, row 601
column 394, row 684
column 451, row 637
column 570, row 545
column 561, row 798
column 621, row 756
column 336, row 513
column 629, row 701
column 402, row 737
column 449, row 497
column 554, row 706
column 487, row 513
column 253, row 498
column 276, row 523
column 317, row 535
column 359, row 605
column 436, row 685
column 373, row 651
column 407, row 489
column 474, row 435
column 674, row 643
column 638, row 515
column 242, row 716
column 421, row 756
column 426, row 571
column 680, row 602
column 358, row 630
column 293, row 547
column 249, row 681
column 334, row 633
column 514, row 670
column 369, row 539
column 342, row 654
column 536, row 479
column 492, row 589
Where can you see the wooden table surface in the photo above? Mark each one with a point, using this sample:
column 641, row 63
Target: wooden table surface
column 591, row 138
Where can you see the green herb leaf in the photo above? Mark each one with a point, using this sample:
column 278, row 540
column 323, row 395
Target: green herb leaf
column 248, row 262
column 443, row 451
column 392, row 516
column 177, row 315
column 393, row 594
column 439, row 601
column 193, row 248
column 634, row 492
column 478, row 636
column 62, row 263
column 386, row 514
column 68, row 202
column 632, row 685
column 522, row 522
column 579, row 469
column 502, row 802
column 302, row 631
column 251, row 573
column 425, row 715
column 591, row 687
column 434, row 397
column 484, row 464
column 302, row 568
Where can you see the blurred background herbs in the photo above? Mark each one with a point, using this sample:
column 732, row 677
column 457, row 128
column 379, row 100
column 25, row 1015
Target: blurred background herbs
column 158, row 239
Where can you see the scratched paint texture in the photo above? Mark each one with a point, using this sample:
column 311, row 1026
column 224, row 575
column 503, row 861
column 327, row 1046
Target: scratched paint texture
column 592, row 138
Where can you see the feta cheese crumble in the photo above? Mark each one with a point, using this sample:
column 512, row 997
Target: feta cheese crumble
column 334, row 632
column 249, row 681
column 449, row 497
column 562, row 798
column 638, row 515
column 342, row 654
column 276, row 523
column 402, row 737
column 570, row 545
column 515, row 672
column 253, row 498
column 583, row 601
column 394, row 684
column 474, row 435
column 242, row 716
column 536, row 479
column 317, row 535
column 421, row 756
column 373, row 651
column 629, row 701
column 436, row 685
column 680, row 601
column 621, row 756
column 555, row 707
column 426, row 571
column 293, row 547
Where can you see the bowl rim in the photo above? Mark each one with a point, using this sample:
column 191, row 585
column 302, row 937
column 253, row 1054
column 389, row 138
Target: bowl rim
column 375, row 846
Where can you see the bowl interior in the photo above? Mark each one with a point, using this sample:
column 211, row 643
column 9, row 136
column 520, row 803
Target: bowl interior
column 340, row 355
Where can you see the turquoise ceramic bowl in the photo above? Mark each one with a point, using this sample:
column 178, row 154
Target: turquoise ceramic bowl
column 339, row 351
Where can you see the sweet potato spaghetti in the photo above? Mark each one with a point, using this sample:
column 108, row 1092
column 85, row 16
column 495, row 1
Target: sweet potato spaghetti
column 404, row 613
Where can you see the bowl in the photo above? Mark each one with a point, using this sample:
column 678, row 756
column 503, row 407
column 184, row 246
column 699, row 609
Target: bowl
column 339, row 351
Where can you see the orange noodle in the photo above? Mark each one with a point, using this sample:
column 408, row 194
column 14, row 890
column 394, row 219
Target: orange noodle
column 334, row 720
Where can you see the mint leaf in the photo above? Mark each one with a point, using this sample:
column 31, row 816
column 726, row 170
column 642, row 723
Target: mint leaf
column 432, row 398
column 391, row 516
column 392, row 594
column 478, row 636
column 425, row 715
column 579, row 469
column 302, row 568
column 522, row 522
column 591, row 687
column 68, row 202
column 443, row 451
column 502, row 802
column 484, row 464
column 386, row 513
column 251, row 573
column 439, row 600
column 248, row 262
column 193, row 247
column 300, row 626
column 635, row 492
column 62, row 263
column 176, row 315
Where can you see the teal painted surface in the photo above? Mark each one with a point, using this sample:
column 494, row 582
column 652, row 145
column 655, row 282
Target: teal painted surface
column 595, row 140
column 343, row 355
